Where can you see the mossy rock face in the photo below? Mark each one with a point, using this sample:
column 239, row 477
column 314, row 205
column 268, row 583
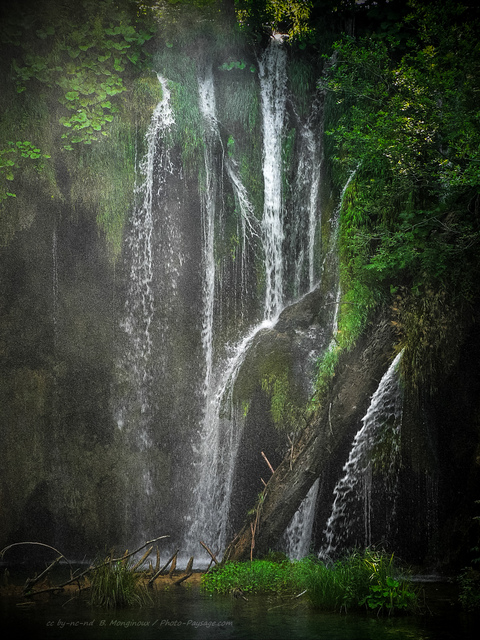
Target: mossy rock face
column 282, row 359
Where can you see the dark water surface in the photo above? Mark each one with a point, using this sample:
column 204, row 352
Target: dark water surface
column 189, row 613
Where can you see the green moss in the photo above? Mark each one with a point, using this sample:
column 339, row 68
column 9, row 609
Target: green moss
column 302, row 83
column 238, row 102
column 286, row 407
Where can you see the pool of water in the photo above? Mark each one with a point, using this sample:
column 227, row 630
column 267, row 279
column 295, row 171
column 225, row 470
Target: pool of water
column 189, row 613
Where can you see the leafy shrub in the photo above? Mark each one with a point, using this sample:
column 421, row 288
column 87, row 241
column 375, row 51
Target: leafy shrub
column 469, row 581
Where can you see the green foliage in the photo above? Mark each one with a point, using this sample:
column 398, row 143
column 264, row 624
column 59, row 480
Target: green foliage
column 84, row 63
column 14, row 158
column 290, row 17
column 469, row 579
column 114, row 585
column 368, row 579
column 403, row 111
column 391, row 595
column 325, row 371
column 258, row 576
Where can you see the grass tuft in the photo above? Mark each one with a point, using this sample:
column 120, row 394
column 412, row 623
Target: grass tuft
column 115, row 585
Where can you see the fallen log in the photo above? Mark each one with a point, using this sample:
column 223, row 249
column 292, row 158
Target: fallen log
column 31, row 582
column 142, row 559
column 183, row 578
column 188, row 572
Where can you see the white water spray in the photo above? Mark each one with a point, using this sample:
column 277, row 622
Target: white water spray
column 207, row 108
column 273, row 98
column 140, row 303
column 298, row 534
column 350, row 523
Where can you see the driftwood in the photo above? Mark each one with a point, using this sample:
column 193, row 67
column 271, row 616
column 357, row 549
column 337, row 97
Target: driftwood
column 174, row 565
column 210, row 553
column 183, row 578
column 160, row 571
column 31, row 582
column 332, row 426
column 188, row 572
column 77, row 577
column 189, row 566
column 268, row 462
column 142, row 559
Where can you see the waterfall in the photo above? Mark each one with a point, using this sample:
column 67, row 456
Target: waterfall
column 222, row 423
column 207, row 108
column 217, row 452
column 157, row 259
column 273, row 94
column 216, row 445
column 249, row 226
column 306, row 204
column 298, row 534
column 140, row 305
column 375, row 452
column 133, row 412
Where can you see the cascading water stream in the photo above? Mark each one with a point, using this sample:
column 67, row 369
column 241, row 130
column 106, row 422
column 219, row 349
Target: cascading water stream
column 306, row 203
column 298, row 534
column 207, row 108
column 273, row 94
column 133, row 414
column 249, row 228
column 140, row 305
column 207, row 518
column 377, row 443
column 215, row 448
column 222, row 423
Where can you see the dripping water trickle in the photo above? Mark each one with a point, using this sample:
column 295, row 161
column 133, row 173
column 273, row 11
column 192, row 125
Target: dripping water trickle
column 376, row 443
column 133, row 413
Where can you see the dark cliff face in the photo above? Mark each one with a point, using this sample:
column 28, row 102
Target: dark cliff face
column 57, row 331
column 441, row 465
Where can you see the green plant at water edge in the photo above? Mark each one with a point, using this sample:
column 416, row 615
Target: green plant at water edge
column 362, row 579
column 391, row 595
column 469, row 579
column 367, row 579
column 115, row 585
column 258, row 576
